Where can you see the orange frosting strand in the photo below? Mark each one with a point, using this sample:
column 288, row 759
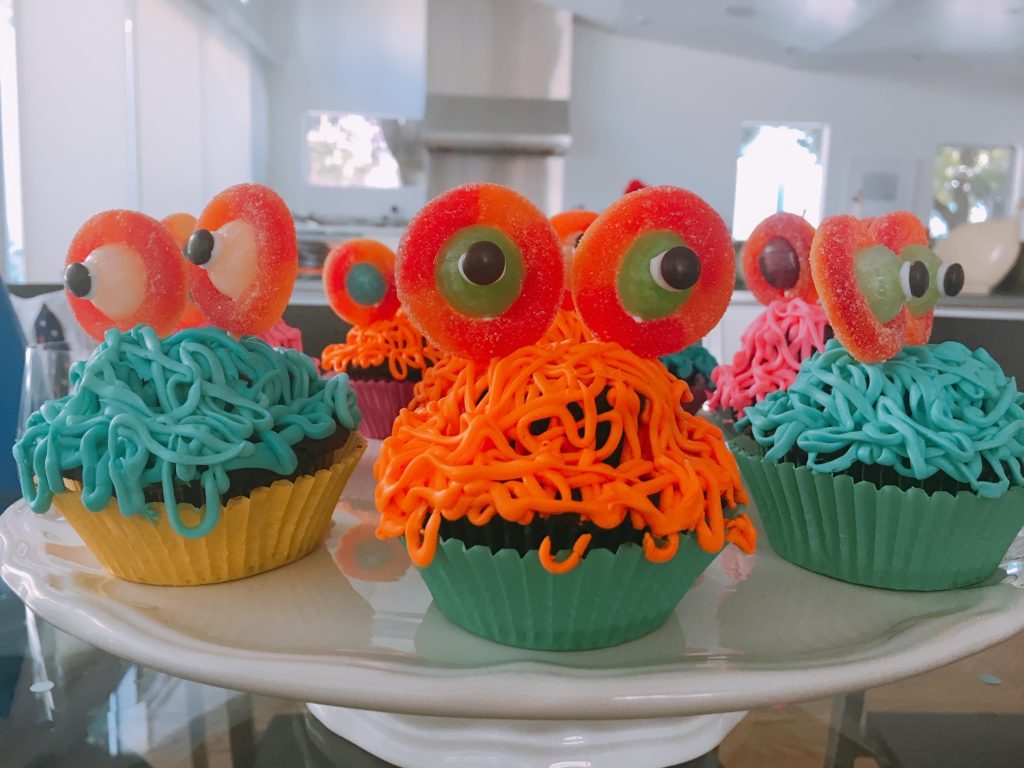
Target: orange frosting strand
column 466, row 449
column 394, row 340
column 657, row 554
column 568, row 326
column 564, row 566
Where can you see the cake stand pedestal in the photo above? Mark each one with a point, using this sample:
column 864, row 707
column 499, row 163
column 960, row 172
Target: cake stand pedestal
column 351, row 628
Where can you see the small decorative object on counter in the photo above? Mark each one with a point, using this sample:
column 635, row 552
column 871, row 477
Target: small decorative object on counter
column 556, row 495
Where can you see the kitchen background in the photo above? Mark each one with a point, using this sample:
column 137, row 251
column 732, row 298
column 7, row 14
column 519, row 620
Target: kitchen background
column 358, row 112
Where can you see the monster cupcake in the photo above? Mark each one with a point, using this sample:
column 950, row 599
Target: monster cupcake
column 193, row 458
column 888, row 462
column 792, row 327
column 556, row 495
column 383, row 354
column 694, row 365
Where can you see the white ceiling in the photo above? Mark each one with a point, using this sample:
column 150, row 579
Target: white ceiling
column 965, row 40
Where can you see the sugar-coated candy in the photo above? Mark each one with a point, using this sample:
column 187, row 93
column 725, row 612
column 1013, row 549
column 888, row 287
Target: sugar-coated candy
column 182, row 225
column 570, row 226
column 243, row 259
column 776, row 259
column 858, row 285
column 899, row 231
column 359, row 279
column 124, row 268
column 655, row 271
column 479, row 271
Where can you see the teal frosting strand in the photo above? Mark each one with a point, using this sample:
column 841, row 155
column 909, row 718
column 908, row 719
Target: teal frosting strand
column 692, row 360
column 931, row 409
column 193, row 406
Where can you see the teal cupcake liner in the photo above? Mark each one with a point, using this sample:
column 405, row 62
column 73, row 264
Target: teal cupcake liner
column 887, row 537
column 607, row 599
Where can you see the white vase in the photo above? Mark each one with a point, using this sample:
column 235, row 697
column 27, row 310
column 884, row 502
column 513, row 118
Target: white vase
column 987, row 250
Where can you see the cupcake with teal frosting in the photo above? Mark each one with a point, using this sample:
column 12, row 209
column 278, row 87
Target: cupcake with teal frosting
column 195, row 458
column 887, row 462
column 694, row 366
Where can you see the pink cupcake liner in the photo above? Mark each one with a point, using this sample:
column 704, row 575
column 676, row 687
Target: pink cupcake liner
column 380, row 403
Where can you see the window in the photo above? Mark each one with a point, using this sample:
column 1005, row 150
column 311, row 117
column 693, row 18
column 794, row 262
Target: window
column 972, row 184
column 346, row 149
column 12, row 245
column 781, row 167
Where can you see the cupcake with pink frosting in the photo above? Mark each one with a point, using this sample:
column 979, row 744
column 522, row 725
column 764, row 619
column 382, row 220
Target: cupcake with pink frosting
column 776, row 265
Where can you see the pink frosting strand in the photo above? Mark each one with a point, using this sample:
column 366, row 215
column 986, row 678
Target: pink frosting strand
column 280, row 334
column 773, row 346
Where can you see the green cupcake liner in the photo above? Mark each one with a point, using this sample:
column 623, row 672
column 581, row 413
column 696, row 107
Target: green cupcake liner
column 885, row 537
column 607, row 599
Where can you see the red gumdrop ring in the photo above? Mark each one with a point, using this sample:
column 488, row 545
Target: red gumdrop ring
column 359, row 280
column 124, row 268
column 776, row 259
column 896, row 230
column 570, row 226
column 243, row 259
column 479, row 271
column 655, row 271
column 858, row 284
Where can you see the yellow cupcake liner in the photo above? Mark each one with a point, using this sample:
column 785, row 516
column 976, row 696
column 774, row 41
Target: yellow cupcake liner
column 273, row 526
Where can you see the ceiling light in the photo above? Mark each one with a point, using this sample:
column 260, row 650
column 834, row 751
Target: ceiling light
column 740, row 11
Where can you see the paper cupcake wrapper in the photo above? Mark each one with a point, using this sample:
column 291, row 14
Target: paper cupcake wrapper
column 880, row 537
column 608, row 599
column 273, row 526
column 380, row 403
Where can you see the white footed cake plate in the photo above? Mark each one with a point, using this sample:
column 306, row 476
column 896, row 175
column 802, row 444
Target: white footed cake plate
column 351, row 628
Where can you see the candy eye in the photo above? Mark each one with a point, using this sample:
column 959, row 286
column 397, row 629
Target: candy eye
column 359, row 279
column 480, row 271
column 950, row 279
column 914, row 279
column 124, row 268
column 858, row 282
column 776, row 259
column 655, row 271
column 242, row 270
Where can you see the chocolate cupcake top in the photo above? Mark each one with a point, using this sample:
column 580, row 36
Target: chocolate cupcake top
column 930, row 410
column 193, row 406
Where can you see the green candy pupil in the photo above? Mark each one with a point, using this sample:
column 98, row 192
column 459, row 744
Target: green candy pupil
column 479, row 271
column 657, row 275
column 920, row 305
column 365, row 284
column 877, row 270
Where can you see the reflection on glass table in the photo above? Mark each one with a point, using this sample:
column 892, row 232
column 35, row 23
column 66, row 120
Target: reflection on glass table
column 65, row 703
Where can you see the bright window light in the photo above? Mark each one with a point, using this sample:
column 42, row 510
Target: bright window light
column 350, row 150
column 779, row 168
column 13, row 250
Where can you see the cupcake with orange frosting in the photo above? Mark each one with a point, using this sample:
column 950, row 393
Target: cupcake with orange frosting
column 793, row 326
column 554, row 494
column 383, row 354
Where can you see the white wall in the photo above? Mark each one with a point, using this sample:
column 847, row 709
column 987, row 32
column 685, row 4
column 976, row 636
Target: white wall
column 160, row 130
column 74, row 121
column 672, row 115
column 345, row 56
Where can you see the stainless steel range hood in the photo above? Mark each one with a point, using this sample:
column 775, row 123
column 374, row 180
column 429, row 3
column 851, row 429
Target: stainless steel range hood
column 492, row 124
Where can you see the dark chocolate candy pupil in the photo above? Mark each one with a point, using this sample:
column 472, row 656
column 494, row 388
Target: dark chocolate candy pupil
column 918, row 279
column 484, row 263
column 953, row 282
column 779, row 263
column 199, row 248
column 576, row 240
column 680, row 268
column 78, row 280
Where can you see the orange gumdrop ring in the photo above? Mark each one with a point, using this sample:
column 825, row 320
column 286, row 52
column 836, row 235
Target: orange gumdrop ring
column 896, row 230
column 129, row 264
column 250, row 230
column 776, row 259
column 839, row 242
column 655, row 271
column 479, row 271
column 359, row 279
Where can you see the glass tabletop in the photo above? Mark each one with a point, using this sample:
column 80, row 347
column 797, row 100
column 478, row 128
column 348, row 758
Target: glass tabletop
column 66, row 703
